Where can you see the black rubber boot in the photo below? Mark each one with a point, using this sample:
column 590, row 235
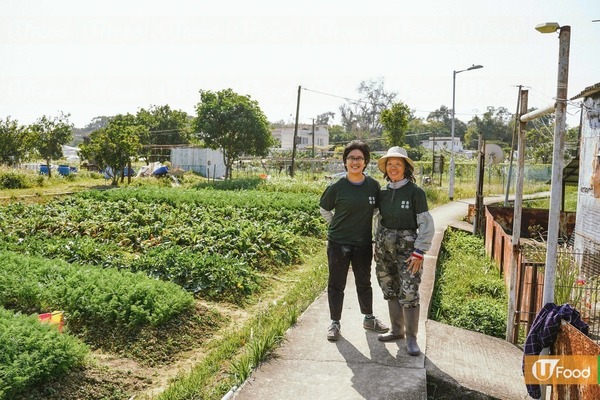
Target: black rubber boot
column 397, row 320
column 411, row 321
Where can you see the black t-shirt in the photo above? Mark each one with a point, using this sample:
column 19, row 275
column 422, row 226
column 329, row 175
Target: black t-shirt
column 399, row 207
column 353, row 206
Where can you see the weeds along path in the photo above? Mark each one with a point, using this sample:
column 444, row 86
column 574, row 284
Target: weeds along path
column 155, row 380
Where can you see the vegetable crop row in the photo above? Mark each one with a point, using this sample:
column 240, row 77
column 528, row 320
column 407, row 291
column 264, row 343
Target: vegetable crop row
column 219, row 251
column 32, row 352
column 90, row 296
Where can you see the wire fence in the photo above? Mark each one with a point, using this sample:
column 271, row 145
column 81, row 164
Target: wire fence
column 577, row 283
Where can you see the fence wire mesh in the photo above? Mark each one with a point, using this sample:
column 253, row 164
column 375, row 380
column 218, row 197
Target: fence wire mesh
column 577, row 283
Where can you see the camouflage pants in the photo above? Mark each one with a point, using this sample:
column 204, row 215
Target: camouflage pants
column 392, row 250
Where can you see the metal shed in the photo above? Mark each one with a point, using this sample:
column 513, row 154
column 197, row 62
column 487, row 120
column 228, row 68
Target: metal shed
column 587, row 229
column 206, row 162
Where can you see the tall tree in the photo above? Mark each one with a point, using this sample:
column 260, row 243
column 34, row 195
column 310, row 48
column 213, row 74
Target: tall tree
column 233, row 123
column 115, row 145
column 49, row 135
column 323, row 119
column 395, row 123
column 495, row 125
column 540, row 140
column 440, row 121
column 97, row 122
column 165, row 126
column 80, row 134
column 416, row 131
column 471, row 139
column 15, row 141
column 362, row 117
column 539, row 143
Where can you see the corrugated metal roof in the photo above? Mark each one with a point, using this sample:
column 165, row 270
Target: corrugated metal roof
column 588, row 91
column 570, row 173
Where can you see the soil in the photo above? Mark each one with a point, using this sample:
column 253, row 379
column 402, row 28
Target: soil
column 140, row 365
column 154, row 359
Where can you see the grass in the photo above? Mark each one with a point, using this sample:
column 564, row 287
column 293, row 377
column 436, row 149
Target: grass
column 571, row 193
column 36, row 187
column 469, row 291
column 233, row 358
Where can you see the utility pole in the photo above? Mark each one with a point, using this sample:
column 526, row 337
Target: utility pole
column 433, row 157
column 511, row 324
column 512, row 149
column 313, row 138
column 295, row 133
column 557, row 163
column 477, row 221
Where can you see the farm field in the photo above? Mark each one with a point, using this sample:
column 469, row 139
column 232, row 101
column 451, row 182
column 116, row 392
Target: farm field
column 167, row 292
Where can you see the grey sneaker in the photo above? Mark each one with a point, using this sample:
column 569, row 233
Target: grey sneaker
column 374, row 324
column 333, row 332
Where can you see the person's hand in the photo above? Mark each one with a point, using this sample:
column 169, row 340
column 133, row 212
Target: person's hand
column 415, row 262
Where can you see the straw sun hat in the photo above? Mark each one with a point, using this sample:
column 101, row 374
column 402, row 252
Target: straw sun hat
column 397, row 152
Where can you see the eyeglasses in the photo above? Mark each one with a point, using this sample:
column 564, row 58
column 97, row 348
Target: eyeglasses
column 351, row 159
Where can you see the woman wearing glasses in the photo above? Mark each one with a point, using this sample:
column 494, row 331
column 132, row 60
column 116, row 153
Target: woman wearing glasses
column 348, row 205
column 404, row 233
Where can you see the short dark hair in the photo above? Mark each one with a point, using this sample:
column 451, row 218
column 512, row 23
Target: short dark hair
column 360, row 145
column 409, row 171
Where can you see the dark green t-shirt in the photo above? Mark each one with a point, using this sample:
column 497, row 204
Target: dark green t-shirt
column 352, row 206
column 399, row 207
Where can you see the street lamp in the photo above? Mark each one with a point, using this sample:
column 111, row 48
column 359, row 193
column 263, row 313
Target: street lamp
column 451, row 185
column 560, row 116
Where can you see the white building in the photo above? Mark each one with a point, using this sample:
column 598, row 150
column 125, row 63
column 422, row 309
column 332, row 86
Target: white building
column 206, row 162
column 443, row 143
column 284, row 136
column 71, row 154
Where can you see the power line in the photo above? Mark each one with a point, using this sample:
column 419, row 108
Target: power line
column 414, row 110
column 333, row 95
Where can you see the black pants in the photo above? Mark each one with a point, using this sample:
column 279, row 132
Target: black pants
column 339, row 257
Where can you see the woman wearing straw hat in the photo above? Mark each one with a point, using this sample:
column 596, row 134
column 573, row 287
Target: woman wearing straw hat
column 348, row 205
column 403, row 235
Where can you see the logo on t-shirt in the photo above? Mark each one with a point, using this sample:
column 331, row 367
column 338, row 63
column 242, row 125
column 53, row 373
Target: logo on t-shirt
column 405, row 204
column 371, row 200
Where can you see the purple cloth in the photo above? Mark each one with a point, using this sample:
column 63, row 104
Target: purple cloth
column 544, row 331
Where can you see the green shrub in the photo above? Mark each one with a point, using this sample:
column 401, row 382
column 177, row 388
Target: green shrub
column 89, row 295
column 469, row 291
column 33, row 352
column 488, row 285
column 230, row 184
column 211, row 275
column 482, row 314
column 14, row 180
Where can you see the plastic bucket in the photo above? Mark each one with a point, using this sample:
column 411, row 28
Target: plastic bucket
column 64, row 170
column 53, row 318
column 160, row 171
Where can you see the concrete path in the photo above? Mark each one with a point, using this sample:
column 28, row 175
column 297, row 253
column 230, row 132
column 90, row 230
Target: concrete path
column 459, row 364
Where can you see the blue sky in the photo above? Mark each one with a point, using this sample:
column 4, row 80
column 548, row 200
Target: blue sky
column 103, row 58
